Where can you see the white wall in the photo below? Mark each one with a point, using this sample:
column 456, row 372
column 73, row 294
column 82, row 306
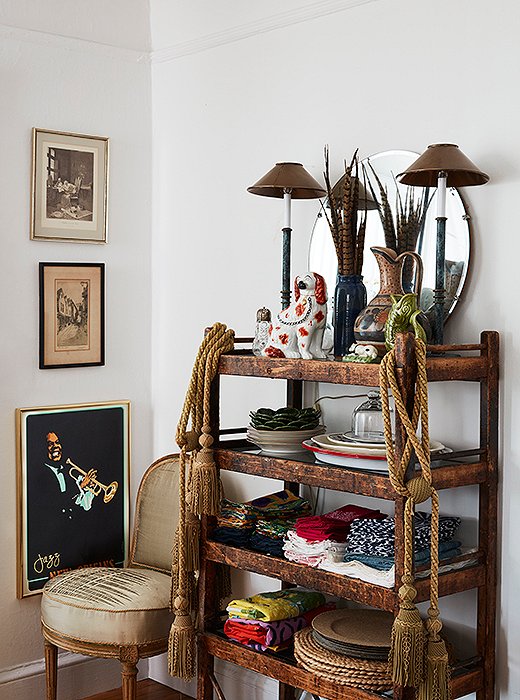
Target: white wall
column 79, row 84
column 385, row 74
column 237, row 87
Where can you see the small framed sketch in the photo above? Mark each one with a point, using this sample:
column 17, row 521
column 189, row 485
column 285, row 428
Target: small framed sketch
column 69, row 187
column 72, row 485
column 72, row 314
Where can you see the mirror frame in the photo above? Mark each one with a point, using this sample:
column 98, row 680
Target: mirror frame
column 465, row 216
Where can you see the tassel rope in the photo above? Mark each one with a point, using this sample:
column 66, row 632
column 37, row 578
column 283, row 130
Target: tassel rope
column 181, row 642
column 205, row 487
column 407, row 653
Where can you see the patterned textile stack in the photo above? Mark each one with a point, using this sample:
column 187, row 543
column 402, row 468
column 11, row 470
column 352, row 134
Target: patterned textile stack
column 373, row 542
column 349, row 647
column 235, row 523
column 370, row 548
column 269, row 536
column 315, row 535
column 261, row 523
column 268, row 621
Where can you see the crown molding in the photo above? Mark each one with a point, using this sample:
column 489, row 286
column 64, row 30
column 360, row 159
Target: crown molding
column 319, row 8
column 261, row 26
column 67, row 43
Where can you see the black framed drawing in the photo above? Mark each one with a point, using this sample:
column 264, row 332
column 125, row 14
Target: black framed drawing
column 73, row 485
column 69, row 187
column 72, row 314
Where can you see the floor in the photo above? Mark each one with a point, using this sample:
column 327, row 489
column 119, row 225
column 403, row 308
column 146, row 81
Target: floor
column 146, row 690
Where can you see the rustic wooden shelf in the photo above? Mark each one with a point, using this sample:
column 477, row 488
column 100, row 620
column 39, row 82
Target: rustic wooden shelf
column 306, row 470
column 440, row 369
column 286, row 671
column 473, row 363
column 337, row 584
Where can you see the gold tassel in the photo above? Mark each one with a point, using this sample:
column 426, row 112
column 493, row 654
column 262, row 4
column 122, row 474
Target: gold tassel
column 181, row 645
column 175, row 579
column 436, row 684
column 406, row 657
column 205, row 487
column 192, row 541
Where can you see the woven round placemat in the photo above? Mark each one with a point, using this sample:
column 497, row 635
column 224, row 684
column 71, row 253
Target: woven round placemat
column 358, row 627
column 344, row 670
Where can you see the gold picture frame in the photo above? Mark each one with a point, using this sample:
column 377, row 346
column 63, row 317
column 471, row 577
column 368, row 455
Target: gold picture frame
column 73, row 473
column 72, row 314
column 69, row 187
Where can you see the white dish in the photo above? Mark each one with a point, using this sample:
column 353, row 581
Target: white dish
column 346, row 440
column 289, row 434
column 343, row 460
column 279, row 449
column 326, row 443
column 281, row 441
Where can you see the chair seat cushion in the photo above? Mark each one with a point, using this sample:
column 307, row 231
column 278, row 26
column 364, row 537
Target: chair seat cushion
column 108, row 605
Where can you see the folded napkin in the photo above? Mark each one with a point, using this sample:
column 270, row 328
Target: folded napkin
column 270, row 635
column 447, row 550
column 377, row 537
column 298, row 549
column 334, row 525
column 277, row 605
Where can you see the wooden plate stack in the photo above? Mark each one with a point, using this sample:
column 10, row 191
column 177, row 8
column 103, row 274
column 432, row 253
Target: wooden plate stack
column 349, row 647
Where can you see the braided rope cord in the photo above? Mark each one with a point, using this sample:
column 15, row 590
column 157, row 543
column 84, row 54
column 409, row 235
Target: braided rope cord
column 419, row 488
column 196, row 409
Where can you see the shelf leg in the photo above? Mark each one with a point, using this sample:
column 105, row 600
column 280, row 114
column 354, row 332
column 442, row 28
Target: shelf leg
column 286, row 692
column 207, row 609
column 294, row 400
column 486, row 600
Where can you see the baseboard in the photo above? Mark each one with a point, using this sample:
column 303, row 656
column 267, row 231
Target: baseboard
column 78, row 677
column 236, row 682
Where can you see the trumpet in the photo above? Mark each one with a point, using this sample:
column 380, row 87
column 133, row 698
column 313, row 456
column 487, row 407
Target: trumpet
column 90, row 482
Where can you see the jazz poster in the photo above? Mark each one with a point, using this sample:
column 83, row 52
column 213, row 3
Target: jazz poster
column 73, row 485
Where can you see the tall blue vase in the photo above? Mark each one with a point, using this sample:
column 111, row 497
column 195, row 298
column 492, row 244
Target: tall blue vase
column 350, row 297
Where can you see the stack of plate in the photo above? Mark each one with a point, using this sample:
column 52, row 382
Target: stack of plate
column 342, row 450
column 281, row 442
column 361, row 634
column 349, row 647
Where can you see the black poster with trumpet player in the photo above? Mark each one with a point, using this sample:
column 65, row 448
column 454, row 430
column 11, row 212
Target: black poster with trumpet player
column 73, row 470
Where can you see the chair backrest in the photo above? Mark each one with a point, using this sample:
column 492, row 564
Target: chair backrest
column 156, row 515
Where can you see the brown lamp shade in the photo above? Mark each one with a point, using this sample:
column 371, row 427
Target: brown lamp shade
column 288, row 176
column 443, row 157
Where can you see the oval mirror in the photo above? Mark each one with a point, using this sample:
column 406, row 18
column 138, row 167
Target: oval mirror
column 387, row 165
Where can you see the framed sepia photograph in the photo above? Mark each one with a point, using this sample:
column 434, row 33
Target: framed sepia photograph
column 73, row 489
column 69, row 187
column 72, row 314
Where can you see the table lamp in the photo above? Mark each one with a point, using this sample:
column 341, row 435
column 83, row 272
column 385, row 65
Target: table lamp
column 288, row 181
column 442, row 165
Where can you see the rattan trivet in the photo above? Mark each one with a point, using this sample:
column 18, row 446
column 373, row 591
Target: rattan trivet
column 358, row 627
column 344, row 670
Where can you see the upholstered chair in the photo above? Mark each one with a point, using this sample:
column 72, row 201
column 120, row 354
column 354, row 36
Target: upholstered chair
column 113, row 612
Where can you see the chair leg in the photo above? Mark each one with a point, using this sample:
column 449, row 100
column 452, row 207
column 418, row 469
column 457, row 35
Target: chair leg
column 129, row 681
column 51, row 669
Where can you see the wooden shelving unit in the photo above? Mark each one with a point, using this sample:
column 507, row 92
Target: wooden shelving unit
column 475, row 363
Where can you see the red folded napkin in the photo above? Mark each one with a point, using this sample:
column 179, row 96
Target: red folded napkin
column 334, row 525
